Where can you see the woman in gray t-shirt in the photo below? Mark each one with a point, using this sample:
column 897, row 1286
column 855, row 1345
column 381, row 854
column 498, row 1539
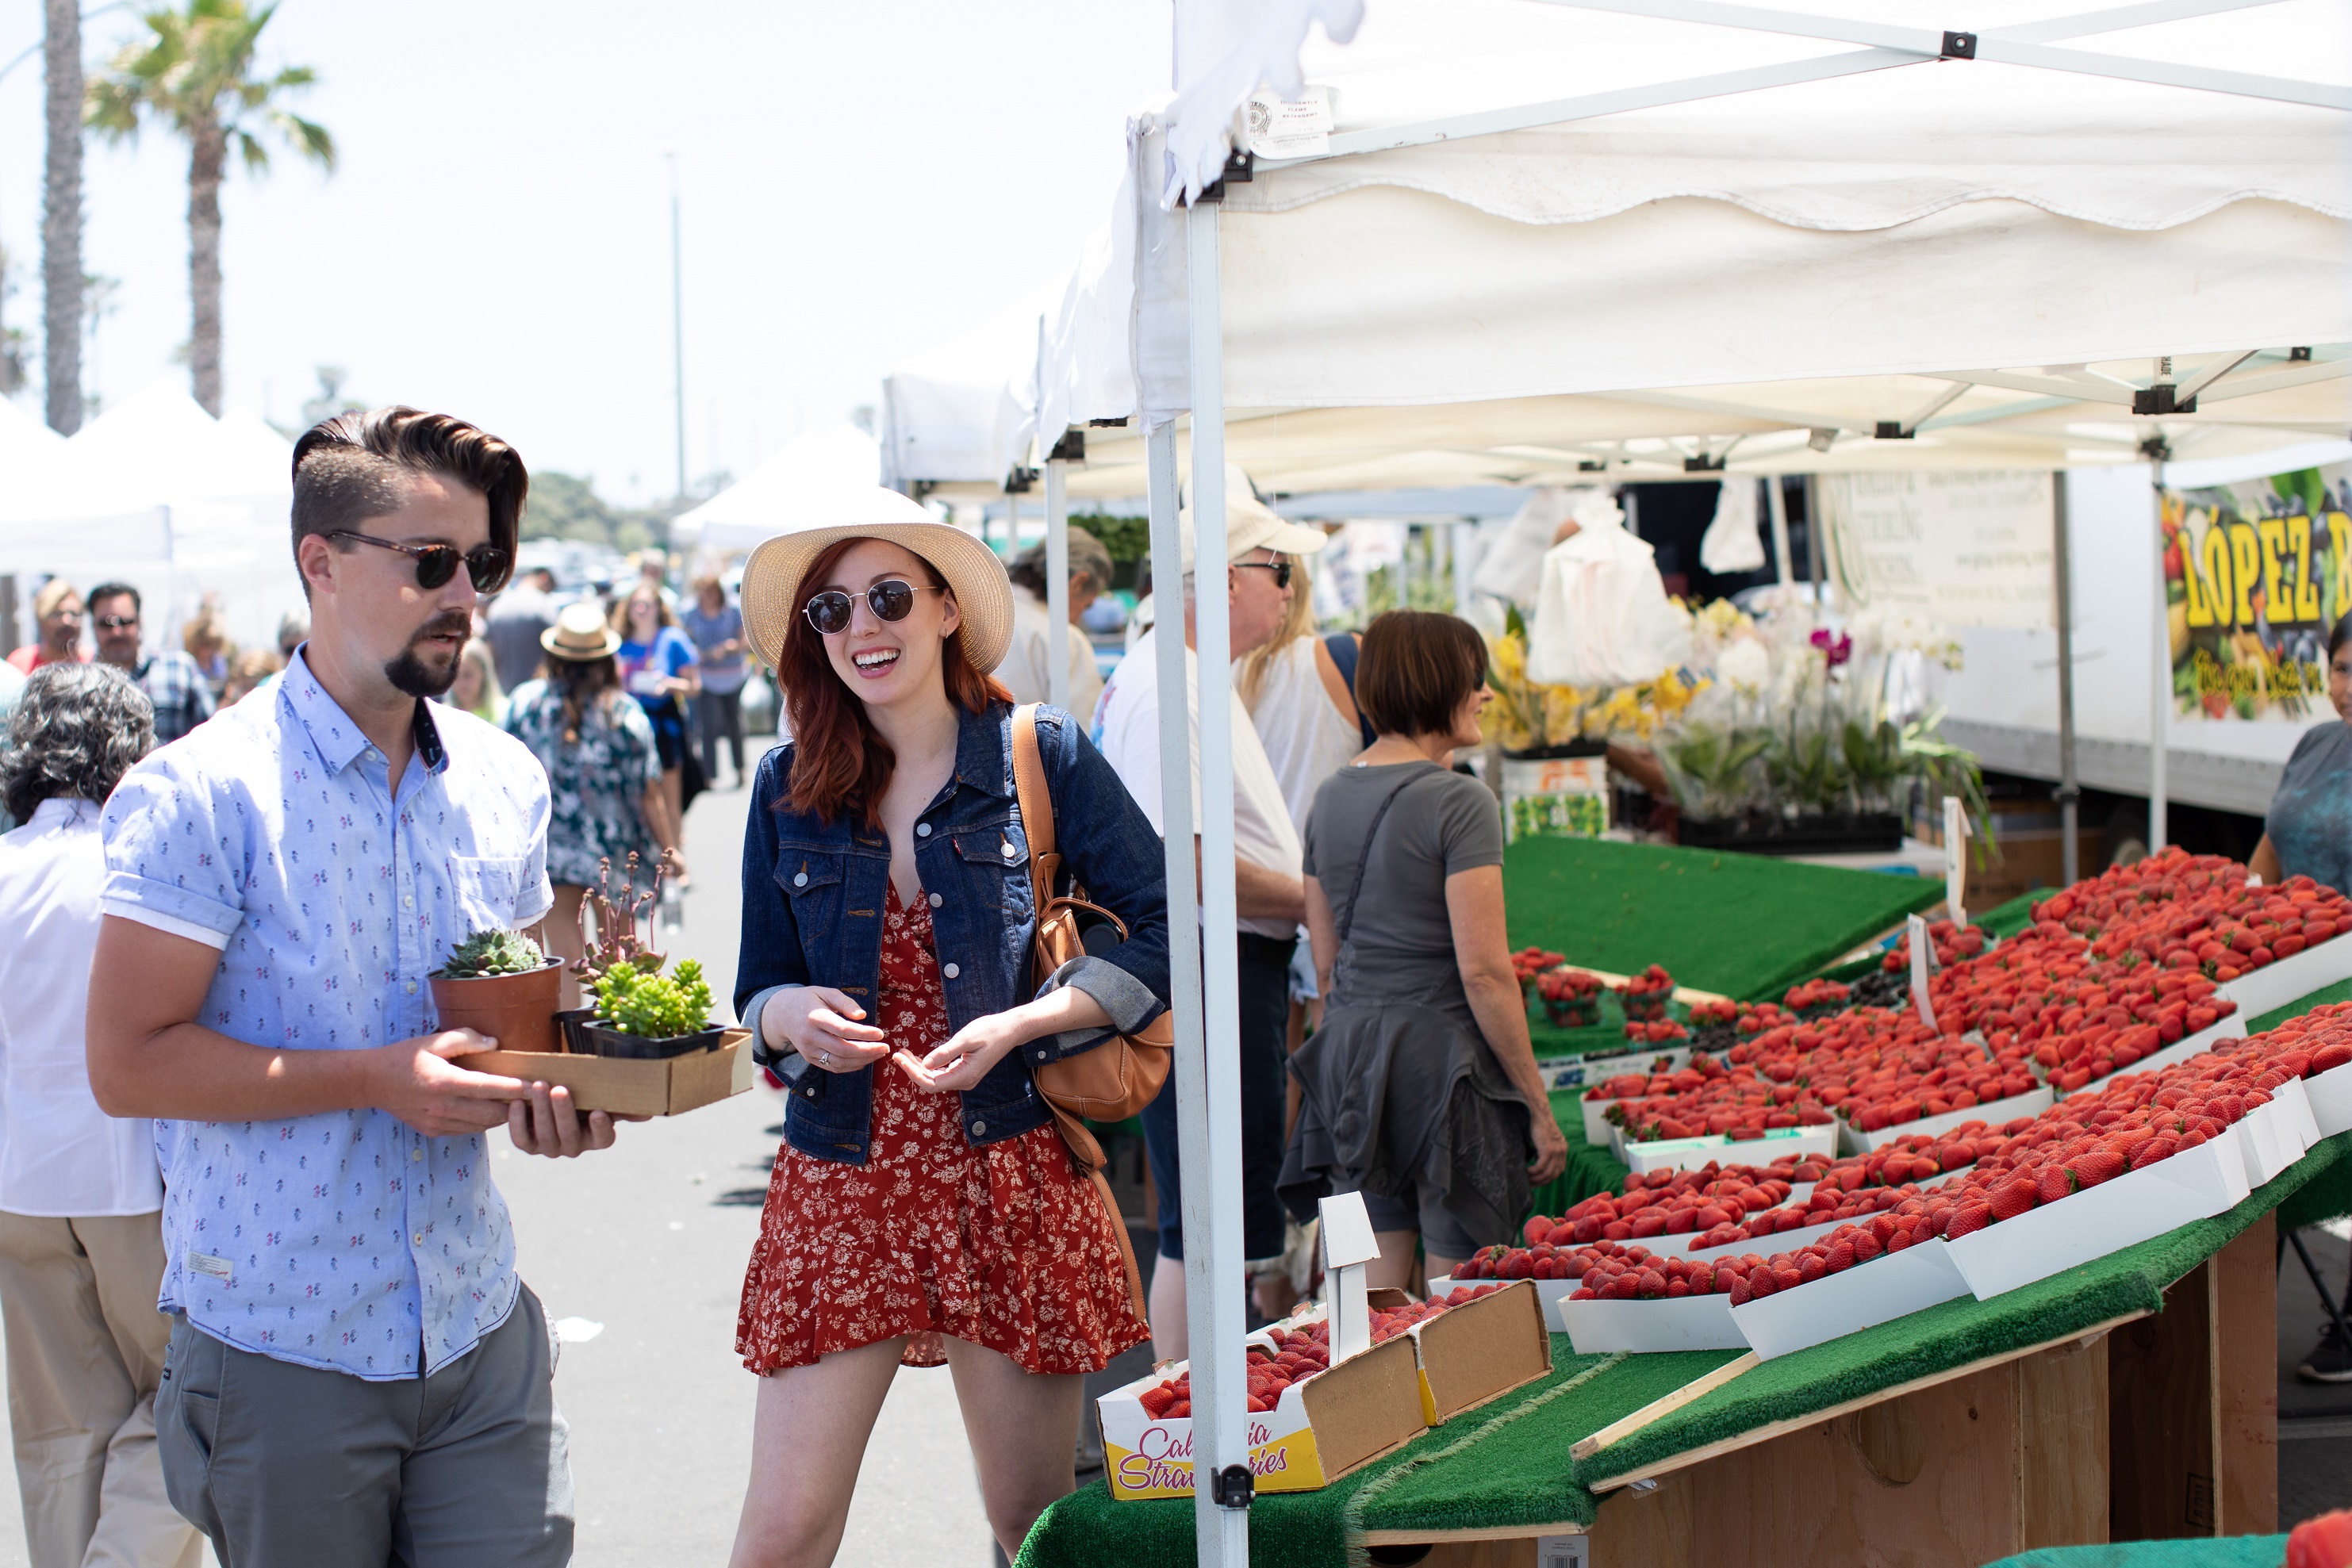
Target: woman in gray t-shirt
column 1420, row 1089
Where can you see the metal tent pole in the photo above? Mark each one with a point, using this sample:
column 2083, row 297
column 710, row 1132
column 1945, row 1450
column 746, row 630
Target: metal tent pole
column 2159, row 706
column 1209, row 1108
column 1777, row 501
column 2069, row 794
column 1816, row 561
column 1057, row 585
column 1465, row 563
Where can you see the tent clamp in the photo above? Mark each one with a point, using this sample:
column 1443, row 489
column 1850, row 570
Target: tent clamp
column 1241, row 168
column 1592, row 465
column 2156, row 448
column 1117, row 424
column 2161, row 399
column 1233, row 1486
column 1960, row 46
column 1893, row 430
column 2299, row 356
column 1071, row 448
column 1703, row 463
column 1020, row 481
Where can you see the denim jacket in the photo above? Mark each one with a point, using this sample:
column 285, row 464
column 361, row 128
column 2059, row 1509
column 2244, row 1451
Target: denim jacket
column 813, row 900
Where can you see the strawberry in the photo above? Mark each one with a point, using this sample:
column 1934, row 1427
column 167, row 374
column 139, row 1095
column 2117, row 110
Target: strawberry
column 2051, row 1187
column 2013, row 1198
column 2094, row 1166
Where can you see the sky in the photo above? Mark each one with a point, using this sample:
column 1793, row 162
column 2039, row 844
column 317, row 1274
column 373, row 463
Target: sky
column 859, row 183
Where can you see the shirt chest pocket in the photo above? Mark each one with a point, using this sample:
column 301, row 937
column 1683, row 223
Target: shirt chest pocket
column 484, row 891
column 993, row 864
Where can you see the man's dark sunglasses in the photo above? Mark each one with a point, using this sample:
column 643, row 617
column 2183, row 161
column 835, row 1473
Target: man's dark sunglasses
column 891, row 600
column 487, row 565
column 116, row 623
column 1281, row 570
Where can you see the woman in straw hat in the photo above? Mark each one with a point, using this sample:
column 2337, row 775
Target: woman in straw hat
column 923, row 1208
column 604, row 772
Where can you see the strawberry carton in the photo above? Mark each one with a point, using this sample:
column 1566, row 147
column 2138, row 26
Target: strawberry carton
column 2293, row 975
column 1838, row 1301
column 2007, row 1108
column 1309, row 1423
column 1630, row 1300
column 1571, row 998
column 1644, row 995
column 2321, row 1043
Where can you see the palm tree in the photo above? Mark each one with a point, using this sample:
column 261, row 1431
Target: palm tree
column 194, row 73
column 61, row 216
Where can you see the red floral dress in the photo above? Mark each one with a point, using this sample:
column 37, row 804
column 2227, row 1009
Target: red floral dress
column 1007, row 1245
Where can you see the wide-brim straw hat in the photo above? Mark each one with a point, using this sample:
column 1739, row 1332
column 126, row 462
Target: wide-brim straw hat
column 581, row 634
column 772, row 593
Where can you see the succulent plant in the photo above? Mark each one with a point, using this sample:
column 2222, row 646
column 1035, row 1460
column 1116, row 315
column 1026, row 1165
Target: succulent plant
column 636, row 1001
column 488, row 952
column 615, row 942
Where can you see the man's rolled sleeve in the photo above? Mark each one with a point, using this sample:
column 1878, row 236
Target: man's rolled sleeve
column 168, row 863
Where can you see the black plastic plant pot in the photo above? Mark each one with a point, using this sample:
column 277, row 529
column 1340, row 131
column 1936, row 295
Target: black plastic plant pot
column 570, row 1021
column 602, row 1039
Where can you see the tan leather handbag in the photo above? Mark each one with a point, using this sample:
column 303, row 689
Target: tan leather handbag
column 1120, row 1077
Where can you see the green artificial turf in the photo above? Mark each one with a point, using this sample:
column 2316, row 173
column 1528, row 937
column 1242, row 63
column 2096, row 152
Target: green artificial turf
column 1589, row 1170
column 1743, row 926
column 2224, row 1551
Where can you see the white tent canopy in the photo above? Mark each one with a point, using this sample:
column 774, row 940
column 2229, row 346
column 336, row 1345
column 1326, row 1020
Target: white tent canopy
column 1621, row 199
column 964, row 414
column 156, row 492
column 783, row 492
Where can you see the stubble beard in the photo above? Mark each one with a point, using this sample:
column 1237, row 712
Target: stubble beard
column 411, row 675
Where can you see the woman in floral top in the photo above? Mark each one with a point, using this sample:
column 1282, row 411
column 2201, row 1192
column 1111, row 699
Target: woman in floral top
column 603, row 771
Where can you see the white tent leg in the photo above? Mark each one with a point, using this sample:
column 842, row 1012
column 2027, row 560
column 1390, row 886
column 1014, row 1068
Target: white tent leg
column 2159, row 706
column 2069, row 794
column 1466, row 562
column 1209, row 1108
column 1011, row 524
column 1777, row 501
column 1057, row 587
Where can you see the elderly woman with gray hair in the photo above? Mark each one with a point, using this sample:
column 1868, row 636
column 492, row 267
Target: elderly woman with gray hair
column 81, row 1250
column 1028, row 668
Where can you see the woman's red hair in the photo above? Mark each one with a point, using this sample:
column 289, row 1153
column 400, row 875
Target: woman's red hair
column 839, row 762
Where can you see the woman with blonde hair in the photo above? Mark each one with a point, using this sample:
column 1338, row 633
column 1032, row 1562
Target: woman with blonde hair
column 475, row 689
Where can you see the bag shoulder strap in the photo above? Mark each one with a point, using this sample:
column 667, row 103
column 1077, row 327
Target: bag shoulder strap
column 1341, row 647
column 1371, row 835
column 1034, row 797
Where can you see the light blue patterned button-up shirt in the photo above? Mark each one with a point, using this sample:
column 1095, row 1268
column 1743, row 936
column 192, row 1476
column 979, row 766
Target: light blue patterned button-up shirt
column 347, row 1240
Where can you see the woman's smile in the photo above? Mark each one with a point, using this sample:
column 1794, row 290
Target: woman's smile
column 875, row 663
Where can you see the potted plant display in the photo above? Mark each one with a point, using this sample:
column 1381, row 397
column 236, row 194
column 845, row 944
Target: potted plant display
column 499, row 984
column 643, row 1013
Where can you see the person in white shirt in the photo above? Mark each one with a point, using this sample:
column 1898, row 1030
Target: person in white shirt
column 1028, row 668
column 81, row 1246
column 1269, row 893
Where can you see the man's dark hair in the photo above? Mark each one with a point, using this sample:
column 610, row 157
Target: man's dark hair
column 111, row 589
column 76, row 731
column 353, row 466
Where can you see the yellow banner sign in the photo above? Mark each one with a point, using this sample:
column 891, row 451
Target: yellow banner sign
column 2254, row 577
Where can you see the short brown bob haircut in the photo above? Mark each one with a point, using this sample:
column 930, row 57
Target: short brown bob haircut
column 354, row 467
column 1416, row 670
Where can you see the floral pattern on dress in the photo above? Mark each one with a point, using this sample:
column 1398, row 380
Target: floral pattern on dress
column 595, row 783
column 1006, row 1246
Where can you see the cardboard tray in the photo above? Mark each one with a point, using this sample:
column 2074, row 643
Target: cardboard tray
column 2032, row 1102
column 1320, row 1430
column 1890, row 1286
column 627, row 1087
column 2179, row 1051
column 1479, row 1351
column 1690, row 1153
column 1784, row 1240
column 1549, row 1294
column 2274, row 1136
column 2194, row 1184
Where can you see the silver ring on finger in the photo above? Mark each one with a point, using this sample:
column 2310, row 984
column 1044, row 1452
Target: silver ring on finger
column 824, row 1059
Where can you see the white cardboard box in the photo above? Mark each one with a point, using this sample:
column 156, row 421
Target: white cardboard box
column 1683, row 1322
column 1690, row 1153
column 2194, row 1184
column 1890, row 1286
column 2273, row 986
column 2179, row 1051
column 1993, row 1113
column 2330, row 1098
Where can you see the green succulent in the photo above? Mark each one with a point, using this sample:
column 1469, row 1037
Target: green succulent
column 488, row 952
column 636, row 1000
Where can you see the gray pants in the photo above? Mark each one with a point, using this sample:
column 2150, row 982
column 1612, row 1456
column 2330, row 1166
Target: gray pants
column 291, row 1467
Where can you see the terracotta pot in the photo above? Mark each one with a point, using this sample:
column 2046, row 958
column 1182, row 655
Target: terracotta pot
column 517, row 1010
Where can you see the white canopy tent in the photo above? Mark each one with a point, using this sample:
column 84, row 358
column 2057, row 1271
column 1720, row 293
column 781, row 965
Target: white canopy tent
column 962, row 417
column 156, row 492
column 812, row 466
column 1724, row 198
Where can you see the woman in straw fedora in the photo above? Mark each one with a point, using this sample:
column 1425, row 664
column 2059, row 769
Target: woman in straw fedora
column 603, row 772
column 923, row 1207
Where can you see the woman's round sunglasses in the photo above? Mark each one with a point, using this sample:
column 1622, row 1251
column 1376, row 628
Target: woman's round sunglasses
column 891, row 600
column 487, row 565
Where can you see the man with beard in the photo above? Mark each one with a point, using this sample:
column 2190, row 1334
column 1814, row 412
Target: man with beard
column 171, row 680
column 356, row 1374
